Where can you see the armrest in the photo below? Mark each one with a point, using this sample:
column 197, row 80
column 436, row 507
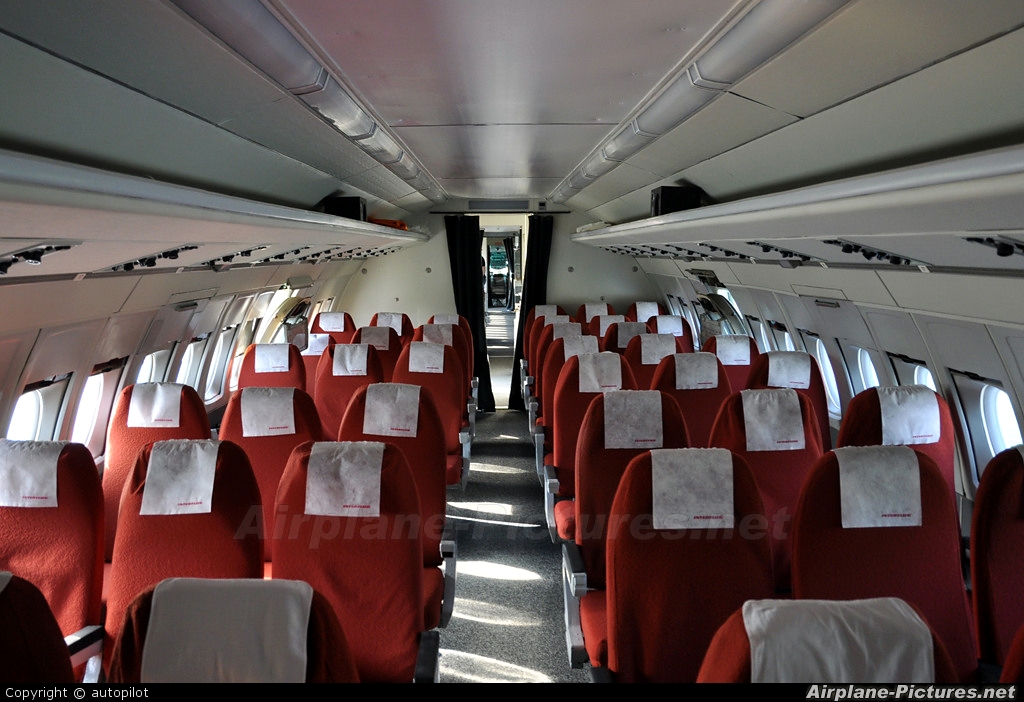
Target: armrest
column 86, row 646
column 427, row 658
column 471, row 413
column 574, row 586
column 450, row 555
column 466, row 440
column 532, row 406
column 550, row 483
column 537, row 434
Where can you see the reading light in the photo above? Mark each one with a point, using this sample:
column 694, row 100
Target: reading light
column 5, row 266
column 33, row 257
column 1004, row 249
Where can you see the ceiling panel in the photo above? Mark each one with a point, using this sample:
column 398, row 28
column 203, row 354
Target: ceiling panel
column 499, row 187
column 622, row 180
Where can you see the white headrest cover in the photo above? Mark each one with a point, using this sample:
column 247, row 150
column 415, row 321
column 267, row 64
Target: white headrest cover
column 560, row 330
column 733, row 349
column 654, row 347
column 910, row 415
column 343, row 478
column 28, row 473
column 272, row 358
column 576, row 345
column 789, row 369
column 155, row 405
column 606, row 320
column 600, row 372
column 452, row 319
column 632, row 420
column 438, row 334
column 426, row 358
column 816, row 641
column 879, row 486
column 627, row 330
column 669, row 324
column 692, row 489
column 394, row 320
column 5, row 577
column 377, row 337
column 332, row 321
column 392, row 409
column 594, row 309
column 206, row 630
column 646, row 310
column 772, row 420
column 179, row 479
column 350, row 359
column 545, row 311
column 316, row 345
column 550, row 319
column 268, row 411
column 696, row 371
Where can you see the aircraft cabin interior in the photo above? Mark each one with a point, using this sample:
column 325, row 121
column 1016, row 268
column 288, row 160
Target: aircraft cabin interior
column 197, row 192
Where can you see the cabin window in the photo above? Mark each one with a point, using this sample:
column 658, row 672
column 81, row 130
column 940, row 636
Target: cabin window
column 37, row 410
column 154, row 367
column 909, row 371
column 861, row 368
column 835, row 409
column 923, row 376
column 868, row 375
column 90, row 425
column 191, row 364
column 1001, row 428
column 247, row 334
column 218, row 364
column 989, row 419
column 760, row 332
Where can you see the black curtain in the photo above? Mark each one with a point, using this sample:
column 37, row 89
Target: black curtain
column 535, row 292
column 465, row 241
column 510, row 285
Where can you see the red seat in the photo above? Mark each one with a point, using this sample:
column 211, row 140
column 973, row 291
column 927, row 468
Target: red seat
column 734, row 357
column 728, row 658
column 334, row 392
column 399, row 321
column 128, row 432
column 645, row 352
column 618, row 335
column 319, row 639
column 454, row 336
column 864, row 424
column 780, row 470
column 57, row 545
column 272, row 365
column 589, row 310
column 676, row 326
column 669, row 590
column 644, row 309
column 250, row 422
column 699, row 384
column 598, row 326
column 338, row 324
column 32, row 648
column 772, row 370
column 425, row 452
column 370, row 569
column 316, row 345
column 224, row 542
column 997, row 555
column 532, row 325
column 919, row 564
column 1013, row 669
column 386, row 342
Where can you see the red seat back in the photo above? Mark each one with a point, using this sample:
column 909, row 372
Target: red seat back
column 125, row 442
column 619, row 332
column 666, row 324
column 445, row 388
column 699, row 405
column 334, row 392
column 32, row 648
column 648, row 310
column 738, row 372
column 760, row 374
column 407, row 329
column 589, row 310
column 644, row 361
column 338, row 324
column 293, row 376
column 388, row 354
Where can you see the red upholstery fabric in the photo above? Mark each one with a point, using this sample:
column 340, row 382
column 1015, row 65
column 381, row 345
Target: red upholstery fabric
column 918, row 564
column 544, row 339
column 570, row 406
column 338, row 337
column 328, row 656
column 294, row 377
column 997, row 555
column 269, row 454
column 815, row 393
column 631, row 312
column 644, row 373
column 369, row 569
column 463, row 349
column 684, row 342
column 594, row 623
column 598, row 474
column 312, row 363
column 553, row 360
column 862, row 426
column 60, row 549
column 124, row 444
column 581, row 312
column 533, row 326
column 738, row 375
column 425, row 454
column 728, row 656
column 32, row 649
column 699, row 407
column 407, row 328
column 669, row 591
column 779, row 474
column 225, row 543
column 1013, row 668
column 334, row 392
column 388, row 357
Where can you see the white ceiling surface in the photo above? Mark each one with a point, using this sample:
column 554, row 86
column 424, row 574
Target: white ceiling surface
column 499, row 99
